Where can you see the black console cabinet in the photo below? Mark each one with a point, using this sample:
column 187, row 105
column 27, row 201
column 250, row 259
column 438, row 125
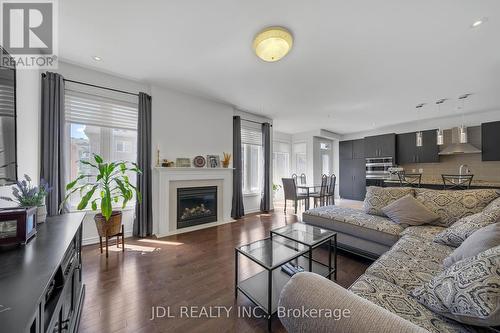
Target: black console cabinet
column 41, row 287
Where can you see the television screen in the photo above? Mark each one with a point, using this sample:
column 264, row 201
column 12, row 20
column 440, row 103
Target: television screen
column 8, row 161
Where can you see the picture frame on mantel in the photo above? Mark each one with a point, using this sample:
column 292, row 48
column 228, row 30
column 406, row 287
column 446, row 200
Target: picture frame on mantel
column 213, row 161
column 183, row 162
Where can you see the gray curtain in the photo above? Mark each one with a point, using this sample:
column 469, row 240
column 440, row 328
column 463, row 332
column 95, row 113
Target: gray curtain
column 265, row 201
column 52, row 139
column 143, row 223
column 237, row 209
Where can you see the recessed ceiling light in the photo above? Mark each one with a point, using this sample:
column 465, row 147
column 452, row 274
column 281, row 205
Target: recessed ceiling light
column 97, row 58
column 273, row 43
column 478, row 23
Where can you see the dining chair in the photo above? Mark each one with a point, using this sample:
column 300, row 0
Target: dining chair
column 457, row 182
column 290, row 191
column 330, row 194
column 410, row 179
column 303, row 179
column 294, row 177
column 322, row 194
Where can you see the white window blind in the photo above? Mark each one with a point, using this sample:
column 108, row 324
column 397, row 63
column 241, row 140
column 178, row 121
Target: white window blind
column 251, row 136
column 6, row 100
column 100, row 111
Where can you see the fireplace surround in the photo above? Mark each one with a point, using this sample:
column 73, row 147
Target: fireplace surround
column 196, row 205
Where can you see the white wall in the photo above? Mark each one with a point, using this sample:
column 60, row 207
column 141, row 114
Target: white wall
column 186, row 126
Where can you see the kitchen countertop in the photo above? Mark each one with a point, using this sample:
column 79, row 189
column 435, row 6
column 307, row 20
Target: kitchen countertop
column 439, row 181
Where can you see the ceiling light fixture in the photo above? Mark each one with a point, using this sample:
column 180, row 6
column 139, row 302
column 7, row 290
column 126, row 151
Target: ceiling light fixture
column 439, row 131
column 97, row 58
column 273, row 43
column 419, row 137
column 478, row 22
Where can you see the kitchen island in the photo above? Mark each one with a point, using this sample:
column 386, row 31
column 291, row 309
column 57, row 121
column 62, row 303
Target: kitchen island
column 437, row 183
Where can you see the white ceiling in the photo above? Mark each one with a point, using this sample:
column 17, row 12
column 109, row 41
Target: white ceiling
column 355, row 65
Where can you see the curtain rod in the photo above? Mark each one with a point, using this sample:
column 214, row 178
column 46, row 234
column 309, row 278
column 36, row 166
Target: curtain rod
column 255, row 122
column 100, row 87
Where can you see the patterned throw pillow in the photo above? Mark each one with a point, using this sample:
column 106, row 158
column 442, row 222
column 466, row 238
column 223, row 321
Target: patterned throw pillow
column 451, row 206
column 463, row 228
column 379, row 197
column 468, row 291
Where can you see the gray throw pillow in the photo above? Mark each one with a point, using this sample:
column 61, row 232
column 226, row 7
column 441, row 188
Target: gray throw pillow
column 379, row 197
column 467, row 291
column 409, row 211
column 481, row 240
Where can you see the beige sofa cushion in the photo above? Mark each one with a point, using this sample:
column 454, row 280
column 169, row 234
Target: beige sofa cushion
column 454, row 205
column 379, row 197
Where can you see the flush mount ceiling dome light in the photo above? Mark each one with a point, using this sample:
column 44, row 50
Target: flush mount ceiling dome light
column 273, row 43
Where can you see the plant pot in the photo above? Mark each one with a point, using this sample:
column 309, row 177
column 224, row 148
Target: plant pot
column 108, row 228
column 41, row 214
column 225, row 164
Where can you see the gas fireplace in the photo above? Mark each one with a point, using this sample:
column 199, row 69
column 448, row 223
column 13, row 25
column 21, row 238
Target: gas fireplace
column 196, row 205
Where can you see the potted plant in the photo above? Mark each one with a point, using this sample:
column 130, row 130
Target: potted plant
column 104, row 187
column 25, row 194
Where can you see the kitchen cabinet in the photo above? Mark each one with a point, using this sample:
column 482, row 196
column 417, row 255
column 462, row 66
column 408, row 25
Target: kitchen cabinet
column 490, row 139
column 380, row 146
column 408, row 152
column 352, row 176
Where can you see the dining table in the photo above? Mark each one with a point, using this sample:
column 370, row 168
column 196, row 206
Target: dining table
column 309, row 189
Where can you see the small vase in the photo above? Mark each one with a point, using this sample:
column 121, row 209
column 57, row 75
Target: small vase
column 41, row 214
column 225, row 164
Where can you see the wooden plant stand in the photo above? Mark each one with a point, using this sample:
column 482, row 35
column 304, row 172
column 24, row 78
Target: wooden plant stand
column 106, row 238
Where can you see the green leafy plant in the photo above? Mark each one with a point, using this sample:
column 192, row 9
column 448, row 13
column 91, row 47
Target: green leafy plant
column 276, row 187
column 111, row 181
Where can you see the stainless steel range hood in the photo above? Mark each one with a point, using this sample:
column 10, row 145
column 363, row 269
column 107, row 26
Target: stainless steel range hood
column 456, row 147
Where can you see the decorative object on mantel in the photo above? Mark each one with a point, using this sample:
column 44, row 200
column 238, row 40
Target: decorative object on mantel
column 183, row 162
column 213, row 161
column 27, row 195
column 199, row 161
column 226, row 160
column 167, row 164
column 158, row 155
column 111, row 180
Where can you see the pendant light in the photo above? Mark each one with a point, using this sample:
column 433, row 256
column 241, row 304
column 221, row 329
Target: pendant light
column 419, row 139
column 440, row 132
column 463, row 129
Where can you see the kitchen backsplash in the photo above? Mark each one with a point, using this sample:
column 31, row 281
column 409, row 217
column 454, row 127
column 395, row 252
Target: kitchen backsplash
column 450, row 164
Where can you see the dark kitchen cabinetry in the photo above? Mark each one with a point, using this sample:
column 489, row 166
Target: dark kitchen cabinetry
column 490, row 141
column 408, row 152
column 380, row 146
column 352, row 177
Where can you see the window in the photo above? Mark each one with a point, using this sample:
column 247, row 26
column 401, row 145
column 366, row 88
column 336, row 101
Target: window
column 326, row 156
column 300, row 153
column 251, row 140
column 102, row 126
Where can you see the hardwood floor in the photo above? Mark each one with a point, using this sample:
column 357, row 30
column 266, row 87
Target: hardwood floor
column 191, row 269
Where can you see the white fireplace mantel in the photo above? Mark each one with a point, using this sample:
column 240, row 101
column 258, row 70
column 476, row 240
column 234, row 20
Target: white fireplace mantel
column 166, row 180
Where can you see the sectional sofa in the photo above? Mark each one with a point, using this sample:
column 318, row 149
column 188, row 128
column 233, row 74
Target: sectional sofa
column 394, row 294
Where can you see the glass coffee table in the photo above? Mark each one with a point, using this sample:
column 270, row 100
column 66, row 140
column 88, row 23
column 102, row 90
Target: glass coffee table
column 293, row 244
column 270, row 254
column 312, row 237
